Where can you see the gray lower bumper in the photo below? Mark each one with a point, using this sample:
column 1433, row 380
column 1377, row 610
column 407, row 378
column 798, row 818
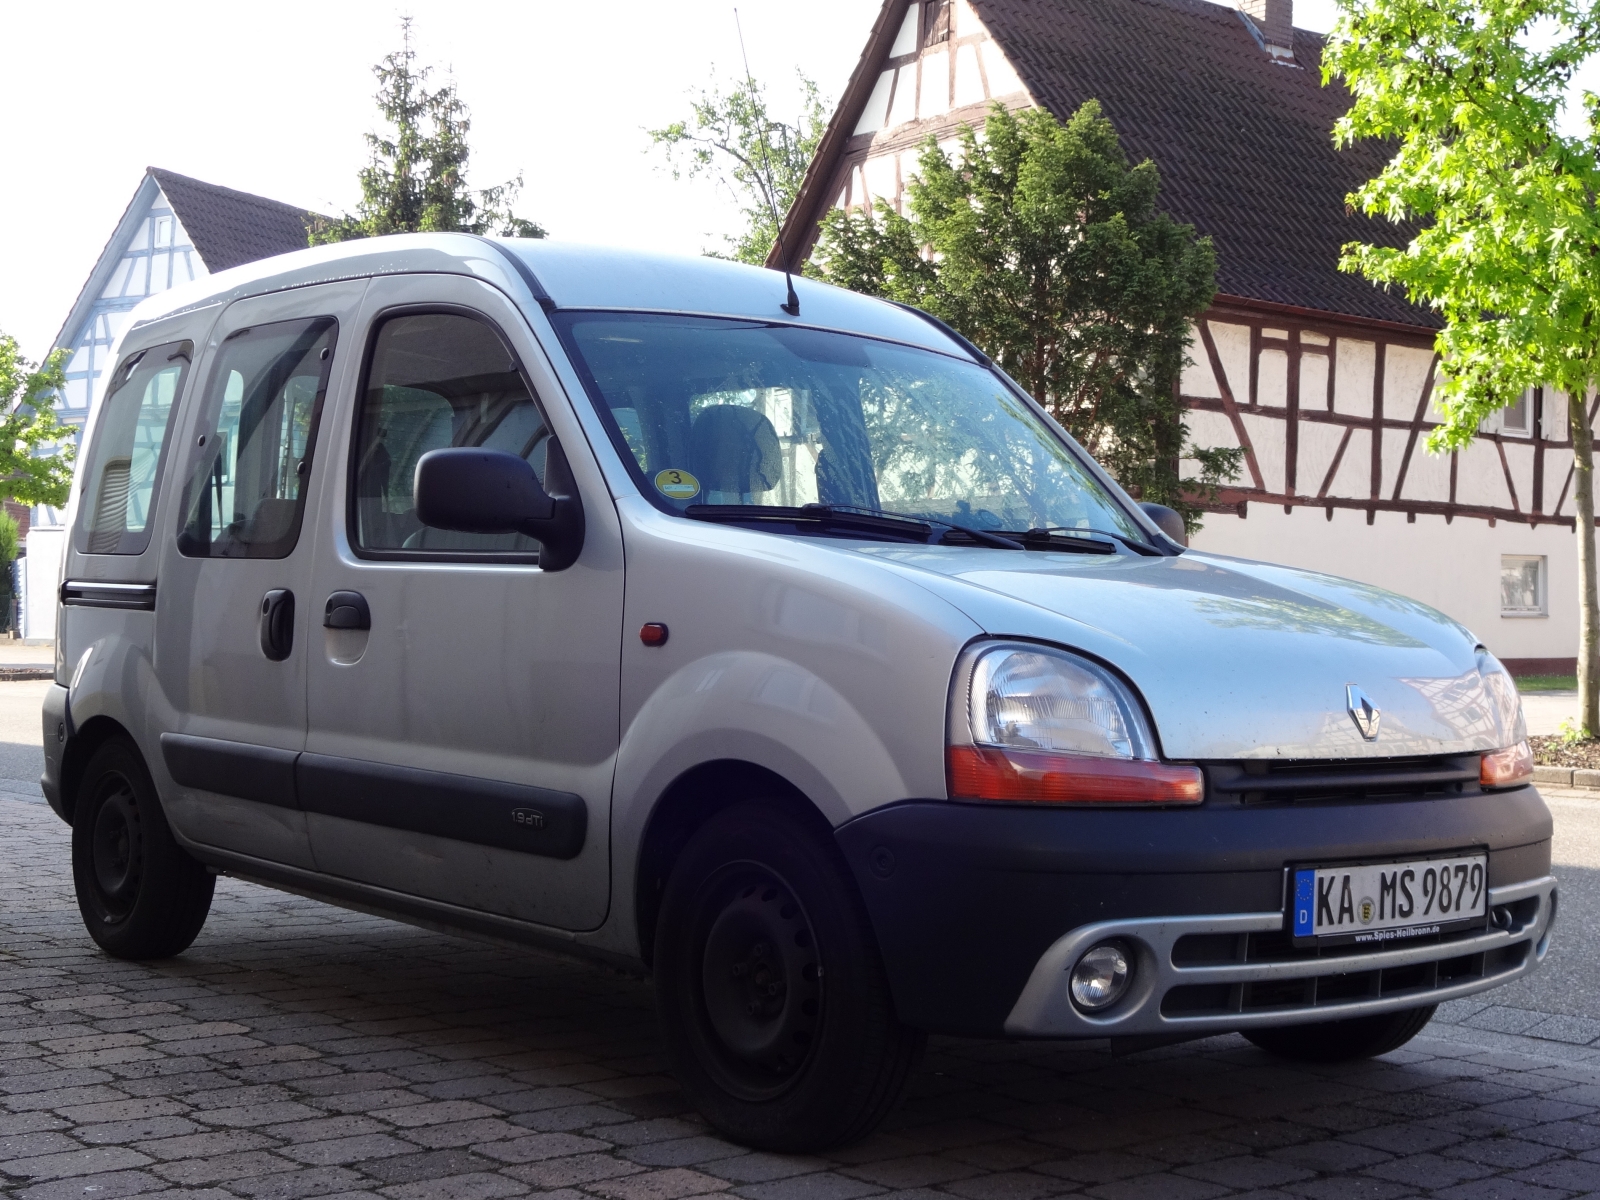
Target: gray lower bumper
column 1217, row 997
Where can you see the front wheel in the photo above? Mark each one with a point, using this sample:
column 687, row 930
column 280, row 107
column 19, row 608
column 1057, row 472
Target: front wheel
column 140, row 894
column 773, row 1000
column 1343, row 1041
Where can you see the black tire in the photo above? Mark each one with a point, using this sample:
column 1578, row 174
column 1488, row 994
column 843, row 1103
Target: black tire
column 140, row 894
column 774, row 1004
column 1343, row 1041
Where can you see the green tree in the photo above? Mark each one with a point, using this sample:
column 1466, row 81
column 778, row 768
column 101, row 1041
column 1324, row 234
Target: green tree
column 1508, row 206
column 1042, row 245
column 417, row 179
column 732, row 139
column 36, row 449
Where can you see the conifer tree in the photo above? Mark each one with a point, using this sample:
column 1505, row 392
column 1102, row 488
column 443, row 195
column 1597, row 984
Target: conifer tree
column 1044, row 246
column 417, row 179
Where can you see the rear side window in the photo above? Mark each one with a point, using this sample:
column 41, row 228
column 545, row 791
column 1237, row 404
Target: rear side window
column 252, row 456
column 123, row 473
column 436, row 380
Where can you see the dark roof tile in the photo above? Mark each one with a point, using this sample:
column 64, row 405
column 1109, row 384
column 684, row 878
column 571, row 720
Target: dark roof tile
column 231, row 228
column 1244, row 144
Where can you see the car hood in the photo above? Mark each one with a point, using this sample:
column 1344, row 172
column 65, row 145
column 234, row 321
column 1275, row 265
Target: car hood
column 1239, row 659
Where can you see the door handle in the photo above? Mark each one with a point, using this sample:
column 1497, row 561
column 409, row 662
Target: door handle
column 277, row 624
column 347, row 610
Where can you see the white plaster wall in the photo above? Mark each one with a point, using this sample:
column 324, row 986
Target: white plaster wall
column 1454, row 568
column 41, row 582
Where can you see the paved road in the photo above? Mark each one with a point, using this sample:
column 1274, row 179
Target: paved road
column 300, row 1051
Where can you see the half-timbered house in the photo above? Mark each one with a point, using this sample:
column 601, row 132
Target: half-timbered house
column 1325, row 381
column 174, row 229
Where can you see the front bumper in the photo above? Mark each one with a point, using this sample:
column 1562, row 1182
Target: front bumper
column 1181, row 991
column 980, row 909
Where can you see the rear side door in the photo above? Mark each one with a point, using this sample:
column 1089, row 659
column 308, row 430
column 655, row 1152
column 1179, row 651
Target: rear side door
column 463, row 701
column 121, row 508
column 232, row 622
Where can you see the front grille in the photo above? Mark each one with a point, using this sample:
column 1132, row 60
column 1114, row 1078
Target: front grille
column 1314, row 991
column 1335, row 986
column 1277, row 945
column 1295, row 781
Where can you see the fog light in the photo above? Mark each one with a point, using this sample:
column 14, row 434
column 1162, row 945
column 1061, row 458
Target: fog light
column 1101, row 976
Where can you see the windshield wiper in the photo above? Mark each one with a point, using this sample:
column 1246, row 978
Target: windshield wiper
column 1046, row 533
column 851, row 517
column 888, row 524
column 983, row 537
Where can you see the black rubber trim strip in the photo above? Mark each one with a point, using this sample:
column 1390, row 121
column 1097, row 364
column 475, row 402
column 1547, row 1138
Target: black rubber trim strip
column 264, row 774
column 524, row 272
column 1348, row 781
column 485, row 812
column 945, row 329
column 94, row 593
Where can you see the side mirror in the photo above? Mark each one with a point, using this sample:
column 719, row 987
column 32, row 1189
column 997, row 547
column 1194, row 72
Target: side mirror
column 471, row 490
column 1168, row 521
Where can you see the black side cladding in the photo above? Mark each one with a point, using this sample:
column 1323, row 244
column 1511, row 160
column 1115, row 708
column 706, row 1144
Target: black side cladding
column 485, row 812
column 264, row 774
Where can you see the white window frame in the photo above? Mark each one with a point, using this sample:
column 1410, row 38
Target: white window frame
column 1542, row 607
column 1525, row 408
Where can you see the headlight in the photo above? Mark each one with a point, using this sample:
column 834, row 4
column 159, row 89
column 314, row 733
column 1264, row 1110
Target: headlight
column 1034, row 724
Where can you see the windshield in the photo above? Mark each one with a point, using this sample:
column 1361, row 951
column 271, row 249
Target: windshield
column 713, row 411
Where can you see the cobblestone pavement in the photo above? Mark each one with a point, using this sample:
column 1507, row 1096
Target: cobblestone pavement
column 299, row 1050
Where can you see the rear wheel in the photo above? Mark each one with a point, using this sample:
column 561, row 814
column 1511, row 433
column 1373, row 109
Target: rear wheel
column 773, row 1000
column 140, row 894
column 1343, row 1041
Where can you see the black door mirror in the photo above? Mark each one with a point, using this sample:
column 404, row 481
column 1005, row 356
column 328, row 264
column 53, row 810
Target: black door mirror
column 1168, row 521
column 472, row 490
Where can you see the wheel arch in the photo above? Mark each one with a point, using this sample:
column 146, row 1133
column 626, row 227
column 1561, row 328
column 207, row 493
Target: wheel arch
column 689, row 801
column 86, row 739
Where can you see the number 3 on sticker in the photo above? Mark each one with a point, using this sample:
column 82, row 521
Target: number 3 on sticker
column 677, row 485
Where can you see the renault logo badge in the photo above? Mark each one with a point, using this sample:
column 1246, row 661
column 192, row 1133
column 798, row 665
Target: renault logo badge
column 1362, row 711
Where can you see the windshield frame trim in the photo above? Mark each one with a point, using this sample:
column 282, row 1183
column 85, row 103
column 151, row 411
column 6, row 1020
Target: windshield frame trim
column 766, row 321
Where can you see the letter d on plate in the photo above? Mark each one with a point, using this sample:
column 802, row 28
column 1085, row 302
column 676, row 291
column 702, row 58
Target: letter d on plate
column 1305, row 883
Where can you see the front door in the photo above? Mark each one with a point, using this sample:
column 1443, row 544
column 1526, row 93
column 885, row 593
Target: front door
column 463, row 717
column 232, row 606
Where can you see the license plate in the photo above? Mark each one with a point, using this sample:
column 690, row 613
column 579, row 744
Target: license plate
column 1390, row 902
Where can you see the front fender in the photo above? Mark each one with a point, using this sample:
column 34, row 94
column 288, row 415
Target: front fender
column 761, row 709
column 755, row 708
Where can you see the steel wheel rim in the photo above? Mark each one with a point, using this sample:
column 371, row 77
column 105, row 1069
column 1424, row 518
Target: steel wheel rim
column 759, row 982
column 115, row 849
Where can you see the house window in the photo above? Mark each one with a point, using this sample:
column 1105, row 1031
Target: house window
column 1514, row 418
column 1522, row 585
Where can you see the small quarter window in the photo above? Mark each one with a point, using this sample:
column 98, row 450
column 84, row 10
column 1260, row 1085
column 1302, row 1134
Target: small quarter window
column 1522, row 585
column 251, row 460
column 437, row 380
column 126, row 455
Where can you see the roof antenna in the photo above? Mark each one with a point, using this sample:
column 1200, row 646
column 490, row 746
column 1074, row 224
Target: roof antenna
column 791, row 304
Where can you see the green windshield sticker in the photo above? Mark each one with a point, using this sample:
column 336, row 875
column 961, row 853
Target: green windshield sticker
column 677, row 485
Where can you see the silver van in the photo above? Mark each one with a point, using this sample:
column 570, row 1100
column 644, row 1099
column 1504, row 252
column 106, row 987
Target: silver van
column 621, row 605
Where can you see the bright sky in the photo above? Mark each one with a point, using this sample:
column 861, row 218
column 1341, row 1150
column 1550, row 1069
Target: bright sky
column 274, row 99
